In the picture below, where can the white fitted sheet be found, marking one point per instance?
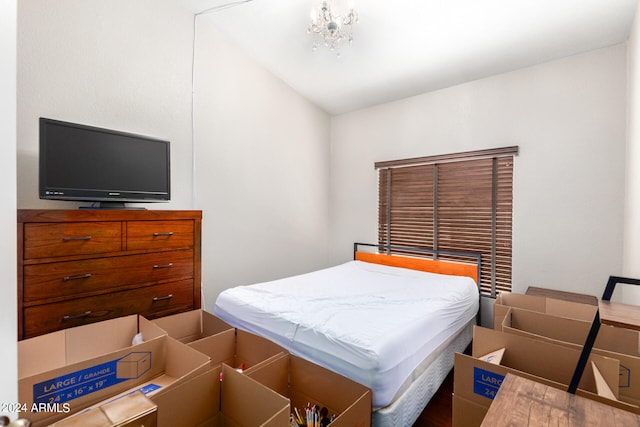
(372, 323)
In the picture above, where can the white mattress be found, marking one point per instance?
(372, 323)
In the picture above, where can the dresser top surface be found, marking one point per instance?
(64, 215)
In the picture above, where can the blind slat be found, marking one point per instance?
(456, 211)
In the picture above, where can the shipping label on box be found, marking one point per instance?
(93, 379)
(486, 383)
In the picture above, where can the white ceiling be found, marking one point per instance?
(406, 47)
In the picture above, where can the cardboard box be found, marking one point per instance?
(560, 308)
(133, 410)
(222, 343)
(617, 343)
(180, 381)
(467, 413)
(67, 371)
(304, 382)
(478, 381)
(192, 326)
(246, 402)
(214, 398)
(221, 397)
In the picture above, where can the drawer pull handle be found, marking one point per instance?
(81, 276)
(77, 316)
(73, 239)
(170, 265)
(168, 234)
(156, 299)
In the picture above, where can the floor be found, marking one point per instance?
(438, 412)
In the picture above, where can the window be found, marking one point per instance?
(458, 202)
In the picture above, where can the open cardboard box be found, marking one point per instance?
(221, 342)
(617, 343)
(304, 382)
(246, 402)
(218, 397)
(556, 307)
(182, 387)
(64, 372)
(477, 381)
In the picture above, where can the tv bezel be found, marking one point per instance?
(107, 198)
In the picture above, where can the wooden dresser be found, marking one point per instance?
(83, 266)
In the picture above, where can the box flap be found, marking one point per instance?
(192, 326)
(252, 349)
(220, 348)
(183, 361)
(73, 345)
(542, 359)
(200, 394)
(128, 407)
(467, 413)
(574, 331)
(326, 387)
(185, 327)
(246, 402)
(273, 374)
(571, 310)
(93, 340)
(32, 359)
(602, 388)
(494, 357)
(212, 325)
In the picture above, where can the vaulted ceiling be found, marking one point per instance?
(406, 47)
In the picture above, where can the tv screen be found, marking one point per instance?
(85, 163)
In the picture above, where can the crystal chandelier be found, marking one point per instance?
(330, 29)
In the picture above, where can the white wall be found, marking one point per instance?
(8, 293)
(632, 207)
(261, 150)
(567, 117)
(117, 64)
(262, 170)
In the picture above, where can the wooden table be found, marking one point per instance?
(522, 402)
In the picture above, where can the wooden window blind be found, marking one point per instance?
(460, 202)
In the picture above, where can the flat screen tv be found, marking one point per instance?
(85, 163)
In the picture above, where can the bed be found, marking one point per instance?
(390, 322)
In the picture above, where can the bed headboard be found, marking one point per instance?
(453, 268)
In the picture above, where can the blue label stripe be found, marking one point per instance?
(71, 386)
(486, 383)
(149, 388)
(80, 383)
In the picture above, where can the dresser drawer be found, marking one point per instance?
(143, 235)
(149, 301)
(42, 240)
(72, 278)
